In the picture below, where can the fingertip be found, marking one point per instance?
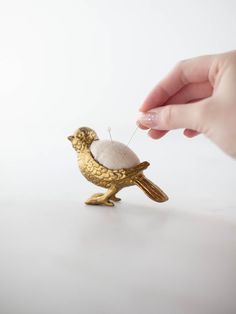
(145, 107)
(190, 133)
(140, 125)
(141, 108)
(156, 134)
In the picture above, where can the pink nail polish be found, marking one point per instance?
(148, 119)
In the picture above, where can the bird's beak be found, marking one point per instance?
(70, 138)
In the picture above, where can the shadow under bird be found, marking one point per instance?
(111, 165)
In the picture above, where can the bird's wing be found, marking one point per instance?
(122, 173)
(134, 170)
(96, 172)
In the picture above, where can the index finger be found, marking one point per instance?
(185, 72)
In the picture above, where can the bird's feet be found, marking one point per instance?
(99, 199)
(115, 199)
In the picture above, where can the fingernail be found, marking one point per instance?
(148, 119)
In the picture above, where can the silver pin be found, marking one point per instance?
(109, 131)
(132, 136)
(136, 129)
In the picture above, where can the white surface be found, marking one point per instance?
(113, 154)
(66, 64)
(64, 257)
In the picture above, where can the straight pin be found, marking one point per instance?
(134, 132)
(109, 131)
(132, 136)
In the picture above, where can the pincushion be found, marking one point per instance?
(111, 165)
(113, 154)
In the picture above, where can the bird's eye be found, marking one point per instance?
(79, 136)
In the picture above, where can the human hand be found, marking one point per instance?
(198, 95)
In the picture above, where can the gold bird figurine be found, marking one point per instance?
(111, 165)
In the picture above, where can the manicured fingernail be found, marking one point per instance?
(148, 119)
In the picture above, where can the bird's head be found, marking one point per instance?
(82, 138)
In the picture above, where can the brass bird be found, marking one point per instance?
(111, 179)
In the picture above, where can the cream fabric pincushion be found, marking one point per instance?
(113, 154)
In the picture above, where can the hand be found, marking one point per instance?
(198, 95)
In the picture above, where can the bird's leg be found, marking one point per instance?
(114, 198)
(103, 199)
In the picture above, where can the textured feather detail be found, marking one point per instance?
(93, 171)
(136, 169)
(150, 189)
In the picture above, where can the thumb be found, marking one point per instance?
(169, 117)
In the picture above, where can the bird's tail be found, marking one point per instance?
(150, 189)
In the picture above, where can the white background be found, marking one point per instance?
(66, 64)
